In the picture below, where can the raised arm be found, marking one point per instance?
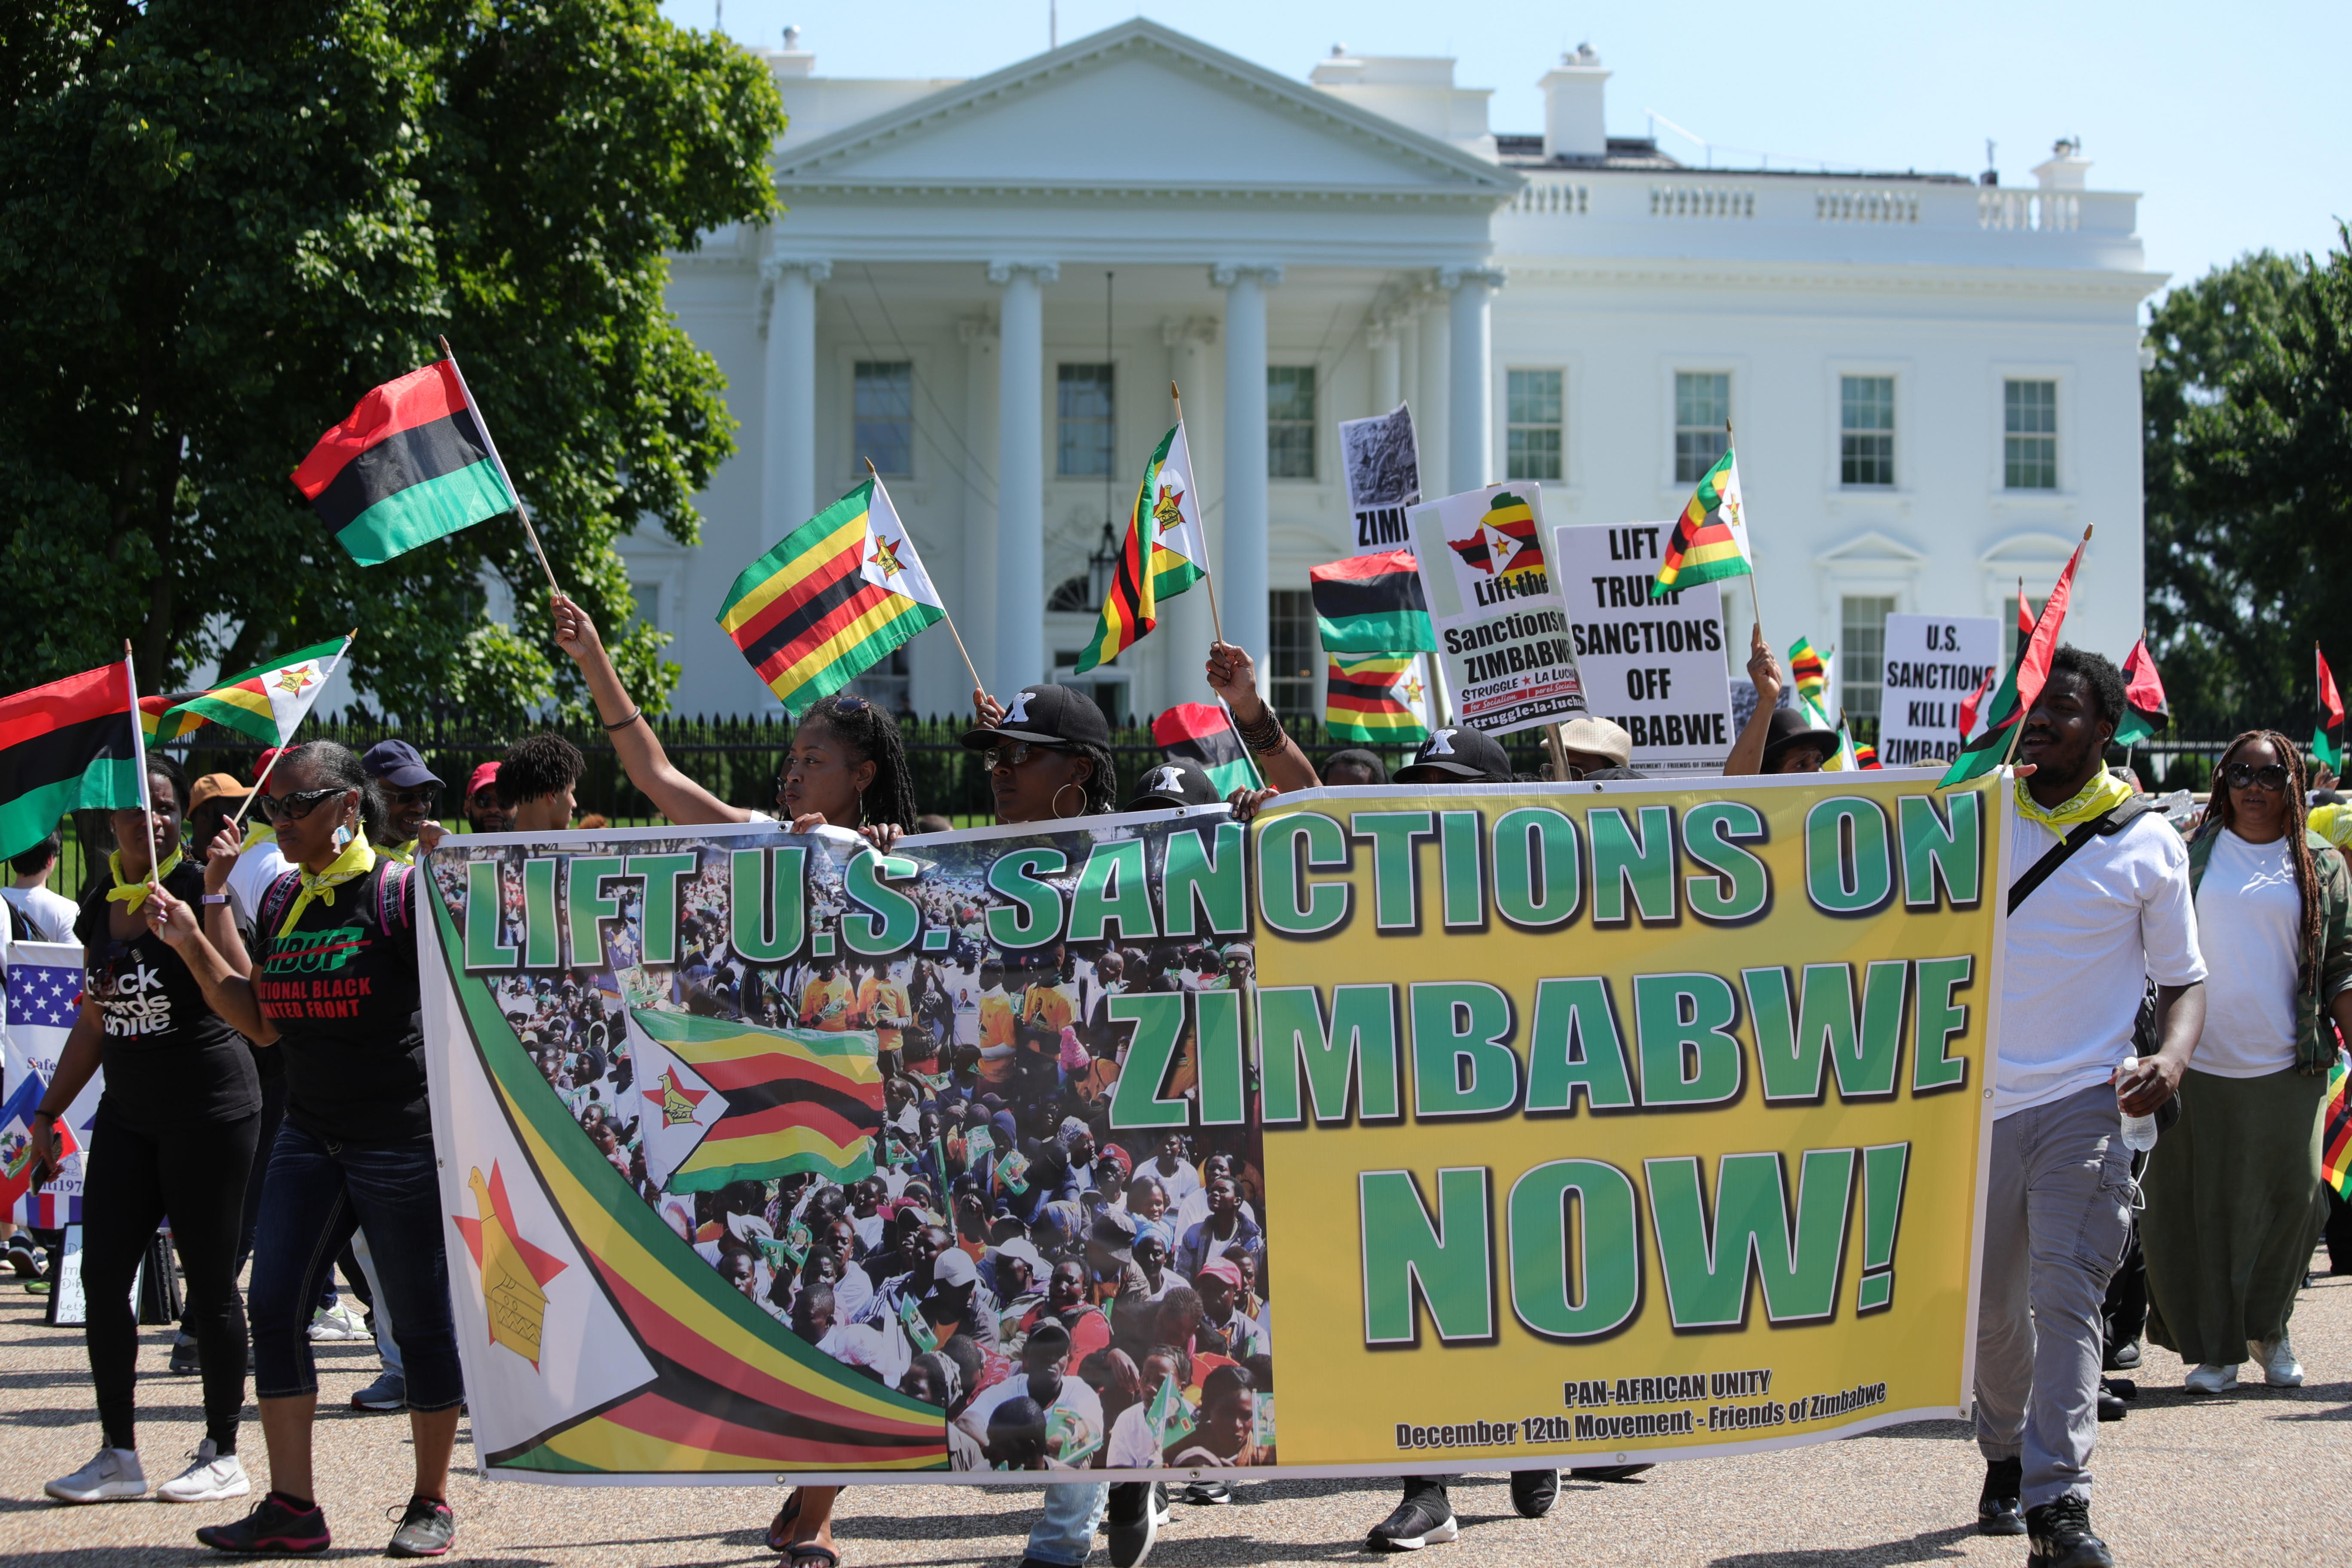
(1748, 751)
(1233, 675)
(677, 797)
(227, 992)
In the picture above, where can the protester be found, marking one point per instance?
(411, 794)
(2115, 908)
(1233, 676)
(2231, 1213)
(536, 780)
(485, 812)
(1354, 768)
(174, 1134)
(41, 915)
(356, 1149)
(1591, 746)
(1775, 740)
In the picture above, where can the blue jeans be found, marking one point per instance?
(1064, 1531)
(315, 1193)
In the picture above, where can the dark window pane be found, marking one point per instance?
(882, 416)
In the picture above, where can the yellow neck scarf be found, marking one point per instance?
(357, 860)
(135, 893)
(258, 832)
(2102, 795)
(403, 853)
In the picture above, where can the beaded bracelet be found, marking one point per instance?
(1264, 736)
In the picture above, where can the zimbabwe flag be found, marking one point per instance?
(410, 464)
(1372, 603)
(161, 725)
(1805, 667)
(72, 745)
(1164, 553)
(1505, 542)
(1201, 732)
(268, 701)
(840, 594)
(1710, 539)
(797, 1099)
(2335, 1130)
(1377, 700)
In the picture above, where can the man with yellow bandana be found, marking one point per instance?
(2116, 908)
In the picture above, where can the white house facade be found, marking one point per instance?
(987, 288)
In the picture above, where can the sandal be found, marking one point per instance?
(810, 1554)
(780, 1528)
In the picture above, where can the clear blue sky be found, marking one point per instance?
(2231, 122)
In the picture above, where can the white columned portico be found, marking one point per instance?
(788, 437)
(1470, 395)
(1021, 473)
(1383, 342)
(1243, 565)
(1432, 423)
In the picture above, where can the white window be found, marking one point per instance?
(1290, 422)
(1867, 430)
(1861, 652)
(1702, 422)
(647, 599)
(1536, 437)
(2029, 435)
(1085, 424)
(1290, 661)
(882, 416)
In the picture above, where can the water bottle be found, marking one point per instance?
(2139, 1131)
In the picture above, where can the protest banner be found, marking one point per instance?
(1502, 629)
(1933, 662)
(43, 1000)
(1383, 458)
(1655, 664)
(1660, 1134)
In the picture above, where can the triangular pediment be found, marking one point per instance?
(1869, 549)
(1139, 108)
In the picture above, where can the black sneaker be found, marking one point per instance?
(2123, 1357)
(2059, 1536)
(1422, 1518)
(1996, 1507)
(2111, 1403)
(185, 1360)
(1534, 1492)
(1132, 1522)
(275, 1528)
(428, 1530)
(1208, 1494)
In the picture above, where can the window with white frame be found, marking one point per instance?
(646, 598)
(1085, 425)
(1867, 430)
(2029, 421)
(1861, 652)
(1290, 651)
(1290, 422)
(882, 416)
(1702, 422)
(1534, 413)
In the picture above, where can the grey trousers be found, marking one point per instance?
(2057, 1213)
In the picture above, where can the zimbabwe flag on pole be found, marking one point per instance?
(1377, 700)
(1372, 603)
(789, 1100)
(1710, 538)
(72, 745)
(841, 592)
(268, 701)
(1165, 552)
(410, 464)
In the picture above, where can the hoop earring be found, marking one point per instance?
(1058, 816)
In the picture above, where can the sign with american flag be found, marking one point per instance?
(44, 998)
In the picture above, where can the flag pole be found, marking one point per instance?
(139, 752)
(483, 425)
(969, 669)
(272, 766)
(1216, 622)
(1755, 582)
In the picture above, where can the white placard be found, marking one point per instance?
(1382, 458)
(1656, 665)
(1502, 629)
(1933, 662)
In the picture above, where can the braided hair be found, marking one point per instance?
(1102, 782)
(2222, 812)
(867, 729)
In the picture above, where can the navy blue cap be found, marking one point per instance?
(398, 764)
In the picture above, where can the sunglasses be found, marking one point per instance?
(2269, 776)
(851, 703)
(426, 795)
(1013, 754)
(295, 808)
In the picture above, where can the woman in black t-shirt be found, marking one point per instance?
(335, 988)
(175, 1131)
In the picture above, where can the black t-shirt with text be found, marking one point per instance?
(341, 988)
(169, 1059)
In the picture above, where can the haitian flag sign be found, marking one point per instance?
(43, 1000)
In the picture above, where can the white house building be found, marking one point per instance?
(987, 287)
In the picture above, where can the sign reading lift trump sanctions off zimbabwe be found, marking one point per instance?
(1661, 1133)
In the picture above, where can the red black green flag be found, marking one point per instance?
(72, 745)
(411, 464)
(1199, 732)
(1372, 603)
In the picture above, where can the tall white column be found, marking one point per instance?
(788, 433)
(973, 593)
(1021, 473)
(1406, 330)
(1384, 368)
(1243, 566)
(1184, 627)
(1470, 425)
(1431, 422)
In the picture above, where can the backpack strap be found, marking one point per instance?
(274, 899)
(393, 890)
(2104, 825)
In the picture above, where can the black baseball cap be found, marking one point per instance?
(398, 764)
(1055, 715)
(1462, 755)
(1174, 781)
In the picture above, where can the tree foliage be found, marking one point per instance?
(2249, 484)
(221, 221)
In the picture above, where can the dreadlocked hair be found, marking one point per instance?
(2222, 812)
(867, 729)
(1102, 779)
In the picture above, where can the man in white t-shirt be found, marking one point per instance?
(2057, 1207)
(41, 915)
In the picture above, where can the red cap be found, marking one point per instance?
(261, 763)
(488, 773)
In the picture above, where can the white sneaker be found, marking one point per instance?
(213, 1477)
(2212, 1378)
(113, 1476)
(2280, 1369)
(337, 1323)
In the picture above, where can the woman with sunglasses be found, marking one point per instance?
(2233, 1188)
(337, 991)
(846, 767)
(175, 1133)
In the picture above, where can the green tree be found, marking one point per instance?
(221, 221)
(2248, 487)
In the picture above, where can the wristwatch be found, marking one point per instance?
(213, 898)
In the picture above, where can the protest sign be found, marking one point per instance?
(1703, 1177)
(1502, 629)
(1383, 458)
(1653, 665)
(1933, 662)
(43, 1000)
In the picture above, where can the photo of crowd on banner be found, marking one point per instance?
(907, 1161)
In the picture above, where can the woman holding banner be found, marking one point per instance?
(2233, 1188)
(175, 1133)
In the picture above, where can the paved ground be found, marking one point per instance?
(2255, 1477)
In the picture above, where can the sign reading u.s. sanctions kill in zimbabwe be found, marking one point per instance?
(1501, 627)
(1566, 1124)
(1933, 663)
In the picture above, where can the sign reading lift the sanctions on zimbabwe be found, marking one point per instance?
(1661, 1135)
